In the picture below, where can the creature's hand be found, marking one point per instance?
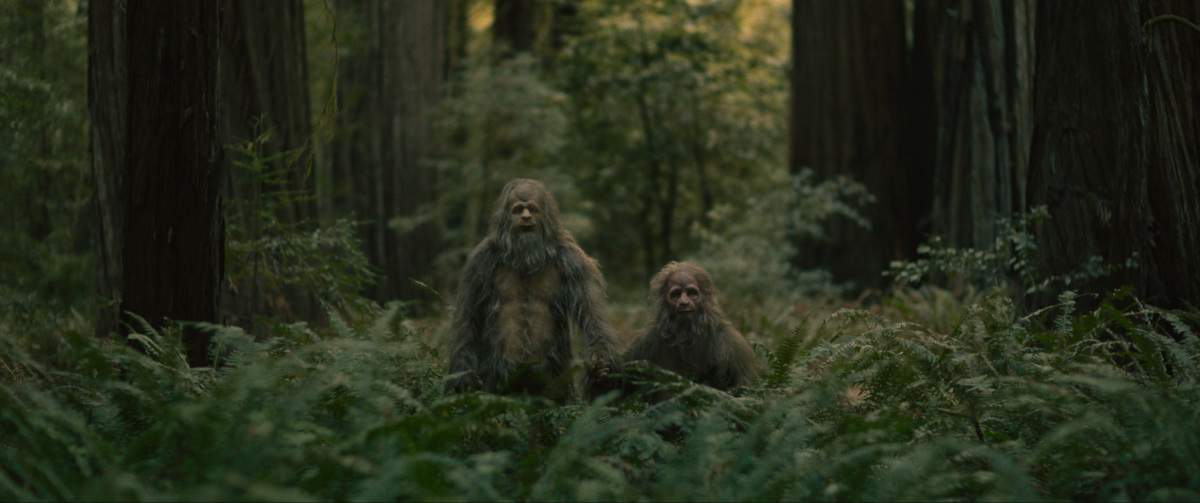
(598, 368)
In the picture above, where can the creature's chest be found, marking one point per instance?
(541, 286)
(686, 357)
(525, 322)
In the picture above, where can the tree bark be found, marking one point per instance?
(107, 99)
(399, 76)
(158, 176)
(458, 36)
(1070, 104)
(983, 53)
(1115, 148)
(848, 119)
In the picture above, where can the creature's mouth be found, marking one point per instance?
(525, 227)
(689, 310)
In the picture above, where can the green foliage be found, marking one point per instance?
(1011, 258)
(1087, 405)
(1058, 404)
(503, 122)
(44, 195)
(657, 126)
(674, 110)
(268, 253)
(326, 261)
(749, 245)
(967, 399)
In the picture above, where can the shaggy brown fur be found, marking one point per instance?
(690, 336)
(519, 290)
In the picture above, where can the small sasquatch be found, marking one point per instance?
(688, 333)
(519, 290)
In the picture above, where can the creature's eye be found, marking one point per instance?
(692, 292)
(517, 210)
(674, 294)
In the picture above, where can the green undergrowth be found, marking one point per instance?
(1058, 404)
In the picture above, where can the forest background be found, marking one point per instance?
(958, 234)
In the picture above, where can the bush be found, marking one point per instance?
(1057, 404)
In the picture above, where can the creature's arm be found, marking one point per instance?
(469, 351)
(584, 296)
(583, 300)
(739, 370)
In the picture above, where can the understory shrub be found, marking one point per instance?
(1055, 404)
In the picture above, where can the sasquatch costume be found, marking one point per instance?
(688, 333)
(519, 290)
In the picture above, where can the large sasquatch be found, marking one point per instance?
(520, 288)
(688, 333)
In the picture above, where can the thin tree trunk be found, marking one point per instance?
(107, 98)
(264, 74)
(458, 36)
(514, 24)
(655, 198)
(264, 78)
(695, 138)
(422, 74)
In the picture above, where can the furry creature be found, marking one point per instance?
(688, 333)
(519, 290)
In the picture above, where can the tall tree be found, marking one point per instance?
(1075, 106)
(1115, 151)
(1089, 109)
(535, 26)
(264, 87)
(390, 89)
(157, 161)
(107, 105)
(514, 23)
(848, 118)
(264, 75)
(982, 53)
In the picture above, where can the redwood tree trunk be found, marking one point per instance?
(848, 107)
(1071, 104)
(107, 99)
(158, 175)
(982, 53)
(392, 87)
(1115, 148)
(514, 23)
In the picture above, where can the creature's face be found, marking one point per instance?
(683, 294)
(524, 212)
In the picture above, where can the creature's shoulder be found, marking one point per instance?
(572, 260)
(734, 338)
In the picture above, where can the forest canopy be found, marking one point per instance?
(956, 236)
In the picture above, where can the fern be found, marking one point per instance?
(1058, 404)
(781, 360)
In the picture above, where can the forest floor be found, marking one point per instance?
(920, 394)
